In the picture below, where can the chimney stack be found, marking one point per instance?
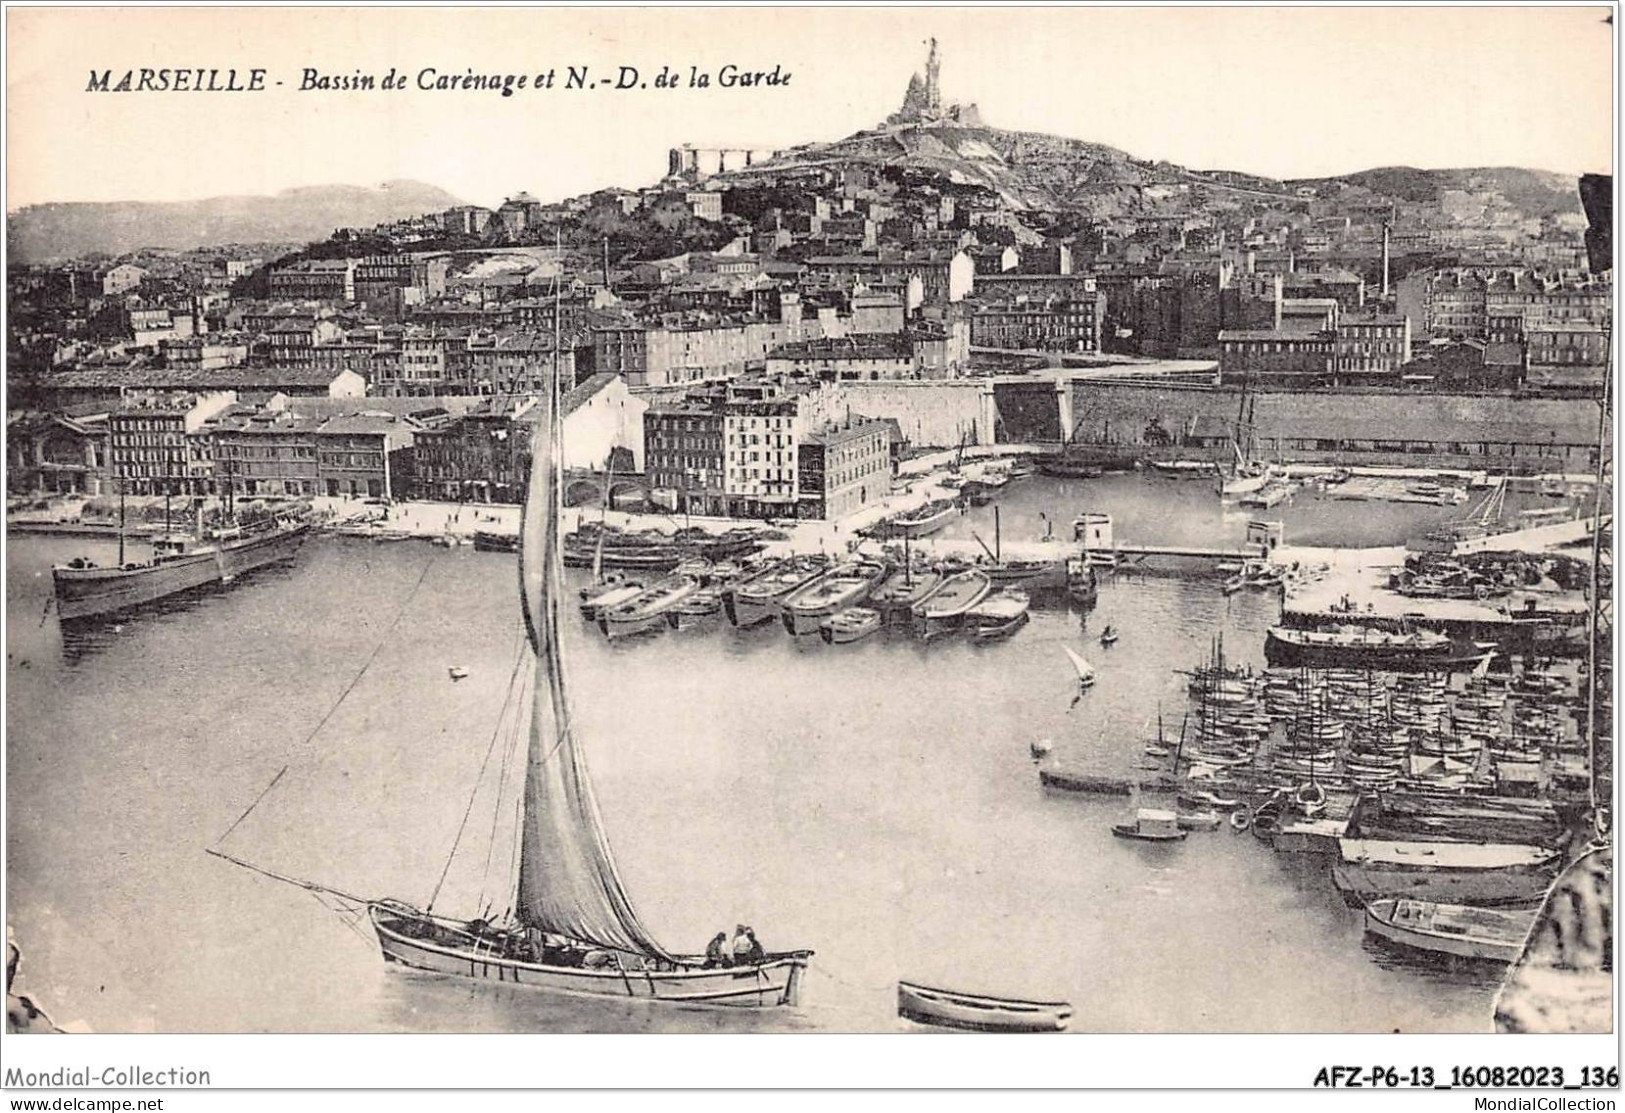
(1385, 234)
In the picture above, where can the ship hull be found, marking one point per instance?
(1502, 946)
(239, 557)
(1033, 577)
(1363, 883)
(924, 527)
(772, 983)
(1290, 654)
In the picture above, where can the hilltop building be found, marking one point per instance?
(922, 100)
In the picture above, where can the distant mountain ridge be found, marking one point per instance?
(59, 231)
(1033, 171)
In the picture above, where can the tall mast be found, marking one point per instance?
(169, 483)
(121, 523)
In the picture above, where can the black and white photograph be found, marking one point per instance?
(828, 520)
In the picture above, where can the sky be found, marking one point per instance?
(1285, 92)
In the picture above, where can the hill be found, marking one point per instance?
(1037, 172)
(47, 233)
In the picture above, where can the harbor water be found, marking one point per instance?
(874, 802)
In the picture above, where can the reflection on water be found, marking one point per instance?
(875, 802)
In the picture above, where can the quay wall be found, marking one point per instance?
(1151, 419)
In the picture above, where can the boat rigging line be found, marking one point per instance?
(485, 763)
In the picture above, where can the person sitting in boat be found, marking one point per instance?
(717, 953)
(755, 954)
(743, 940)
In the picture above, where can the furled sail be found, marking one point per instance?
(568, 884)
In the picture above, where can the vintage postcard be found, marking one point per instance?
(826, 520)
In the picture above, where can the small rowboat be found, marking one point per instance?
(457, 672)
(947, 1008)
(850, 625)
(1108, 635)
(1151, 825)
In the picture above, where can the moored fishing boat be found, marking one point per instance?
(945, 608)
(1185, 469)
(977, 1012)
(897, 593)
(572, 925)
(647, 609)
(846, 585)
(1032, 575)
(1082, 584)
(998, 615)
(924, 520)
(1151, 825)
(496, 541)
(601, 598)
(1487, 934)
(703, 604)
(849, 625)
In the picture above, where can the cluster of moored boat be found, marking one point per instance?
(842, 600)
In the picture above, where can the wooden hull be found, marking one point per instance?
(753, 603)
(774, 982)
(1033, 575)
(986, 630)
(896, 598)
(89, 592)
(924, 527)
(1129, 831)
(804, 612)
(945, 1008)
(85, 593)
(845, 633)
(945, 610)
(488, 542)
(238, 557)
(1288, 653)
(1504, 945)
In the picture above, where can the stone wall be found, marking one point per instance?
(939, 414)
(1534, 434)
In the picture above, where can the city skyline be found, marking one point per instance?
(1377, 66)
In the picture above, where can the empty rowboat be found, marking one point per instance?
(946, 1008)
(1488, 934)
(852, 624)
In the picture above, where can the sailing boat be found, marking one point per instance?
(605, 594)
(1247, 475)
(573, 928)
